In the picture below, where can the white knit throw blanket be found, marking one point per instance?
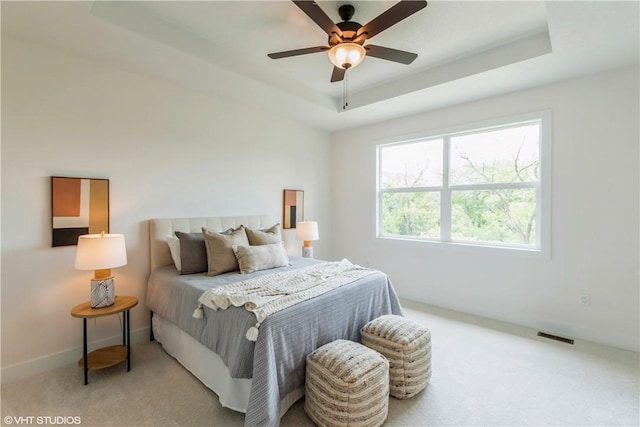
(268, 294)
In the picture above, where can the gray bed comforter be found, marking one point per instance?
(276, 361)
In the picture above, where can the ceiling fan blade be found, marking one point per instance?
(296, 52)
(338, 74)
(391, 16)
(389, 54)
(318, 16)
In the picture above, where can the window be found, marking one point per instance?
(480, 185)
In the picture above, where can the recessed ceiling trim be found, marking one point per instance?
(142, 20)
(531, 46)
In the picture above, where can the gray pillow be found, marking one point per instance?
(193, 254)
(264, 237)
(220, 256)
(263, 257)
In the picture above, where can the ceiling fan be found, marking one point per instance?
(346, 39)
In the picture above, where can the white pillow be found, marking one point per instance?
(263, 257)
(174, 248)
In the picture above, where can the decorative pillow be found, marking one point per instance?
(174, 248)
(262, 257)
(220, 256)
(192, 252)
(193, 255)
(264, 237)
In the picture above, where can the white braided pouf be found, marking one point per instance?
(347, 384)
(407, 346)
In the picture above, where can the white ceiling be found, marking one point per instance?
(466, 50)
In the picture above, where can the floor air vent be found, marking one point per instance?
(555, 338)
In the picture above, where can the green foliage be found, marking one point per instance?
(505, 215)
(414, 214)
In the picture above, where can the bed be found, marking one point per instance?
(263, 378)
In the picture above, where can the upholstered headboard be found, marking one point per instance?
(160, 229)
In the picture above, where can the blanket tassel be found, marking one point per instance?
(198, 313)
(252, 333)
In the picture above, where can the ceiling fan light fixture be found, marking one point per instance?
(346, 55)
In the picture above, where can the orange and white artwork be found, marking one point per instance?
(293, 210)
(78, 206)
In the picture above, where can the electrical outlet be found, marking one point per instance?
(585, 299)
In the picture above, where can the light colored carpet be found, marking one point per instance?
(484, 373)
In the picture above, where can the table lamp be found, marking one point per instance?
(307, 231)
(101, 252)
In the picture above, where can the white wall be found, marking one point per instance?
(595, 198)
(167, 152)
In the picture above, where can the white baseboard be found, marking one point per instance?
(527, 326)
(47, 363)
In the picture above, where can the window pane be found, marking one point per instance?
(500, 156)
(414, 214)
(505, 216)
(411, 165)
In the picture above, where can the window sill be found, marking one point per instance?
(466, 247)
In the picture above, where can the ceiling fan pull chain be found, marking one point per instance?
(345, 100)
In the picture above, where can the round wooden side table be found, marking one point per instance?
(106, 356)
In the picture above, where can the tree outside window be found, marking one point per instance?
(478, 186)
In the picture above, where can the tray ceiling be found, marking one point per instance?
(466, 50)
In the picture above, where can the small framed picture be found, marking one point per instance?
(78, 206)
(293, 210)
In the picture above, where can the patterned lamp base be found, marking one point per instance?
(102, 292)
(307, 251)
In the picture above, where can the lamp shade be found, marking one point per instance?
(307, 230)
(346, 55)
(100, 251)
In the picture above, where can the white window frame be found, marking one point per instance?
(543, 186)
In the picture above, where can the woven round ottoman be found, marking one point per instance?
(347, 384)
(407, 346)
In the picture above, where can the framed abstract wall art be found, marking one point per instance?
(293, 210)
(78, 206)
